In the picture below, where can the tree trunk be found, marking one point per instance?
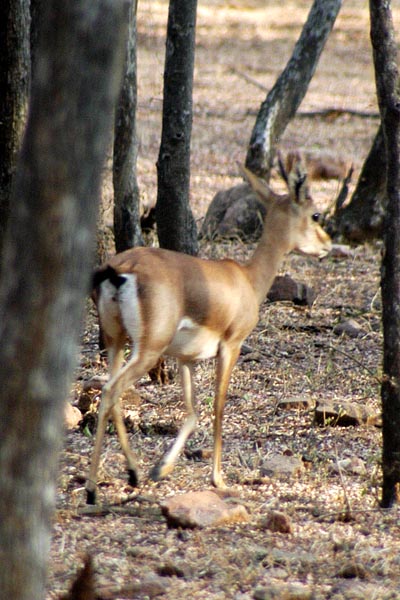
(14, 92)
(387, 80)
(363, 218)
(47, 255)
(127, 231)
(175, 223)
(36, 20)
(289, 90)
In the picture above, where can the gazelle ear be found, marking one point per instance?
(259, 186)
(297, 182)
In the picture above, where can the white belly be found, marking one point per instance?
(193, 342)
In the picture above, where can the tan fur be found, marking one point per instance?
(193, 308)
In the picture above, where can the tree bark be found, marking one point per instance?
(14, 92)
(127, 231)
(285, 97)
(387, 84)
(362, 219)
(45, 271)
(175, 223)
(35, 30)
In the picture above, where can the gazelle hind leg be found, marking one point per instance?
(110, 406)
(166, 464)
(115, 358)
(133, 469)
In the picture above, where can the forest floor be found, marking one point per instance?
(241, 47)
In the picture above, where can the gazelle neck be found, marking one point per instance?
(267, 259)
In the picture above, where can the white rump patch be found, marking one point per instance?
(128, 300)
(121, 306)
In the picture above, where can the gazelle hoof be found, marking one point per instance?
(160, 471)
(90, 497)
(133, 478)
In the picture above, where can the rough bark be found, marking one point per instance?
(127, 231)
(387, 79)
(14, 92)
(362, 219)
(36, 19)
(283, 100)
(175, 223)
(45, 271)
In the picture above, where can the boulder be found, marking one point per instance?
(286, 288)
(343, 413)
(201, 509)
(281, 466)
(233, 213)
(277, 522)
(72, 416)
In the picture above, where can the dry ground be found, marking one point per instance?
(297, 352)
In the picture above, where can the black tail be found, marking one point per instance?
(107, 273)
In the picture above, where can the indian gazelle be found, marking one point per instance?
(192, 309)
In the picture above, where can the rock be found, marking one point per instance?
(276, 521)
(151, 586)
(360, 590)
(344, 414)
(171, 569)
(201, 509)
(72, 416)
(291, 591)
(284, 288)
(341, 251)
(350, 465)
(352, 570)
(297, 402)
(349, 327)
(280, 465)
(233, 213)
(288, 558)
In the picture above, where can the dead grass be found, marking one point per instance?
(296, 351)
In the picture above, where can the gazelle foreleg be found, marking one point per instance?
(226, 360)
(165, 466)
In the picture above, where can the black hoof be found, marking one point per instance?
(155, 473)
(90, 497)
(133, 478)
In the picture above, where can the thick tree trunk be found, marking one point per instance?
(175, 223)
(14, 92)
(36, 20)
(289, 90)
(45, 274)
(127, 231)
(387, 81)
(363, 218)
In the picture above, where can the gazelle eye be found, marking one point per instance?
(316, 217)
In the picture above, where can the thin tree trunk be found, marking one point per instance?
(387, 80)
(14, 92)
(45, 275)
(363, 217)
(175, 223)
(127, 231)
(283, 100)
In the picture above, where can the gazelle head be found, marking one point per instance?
(292, 215)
